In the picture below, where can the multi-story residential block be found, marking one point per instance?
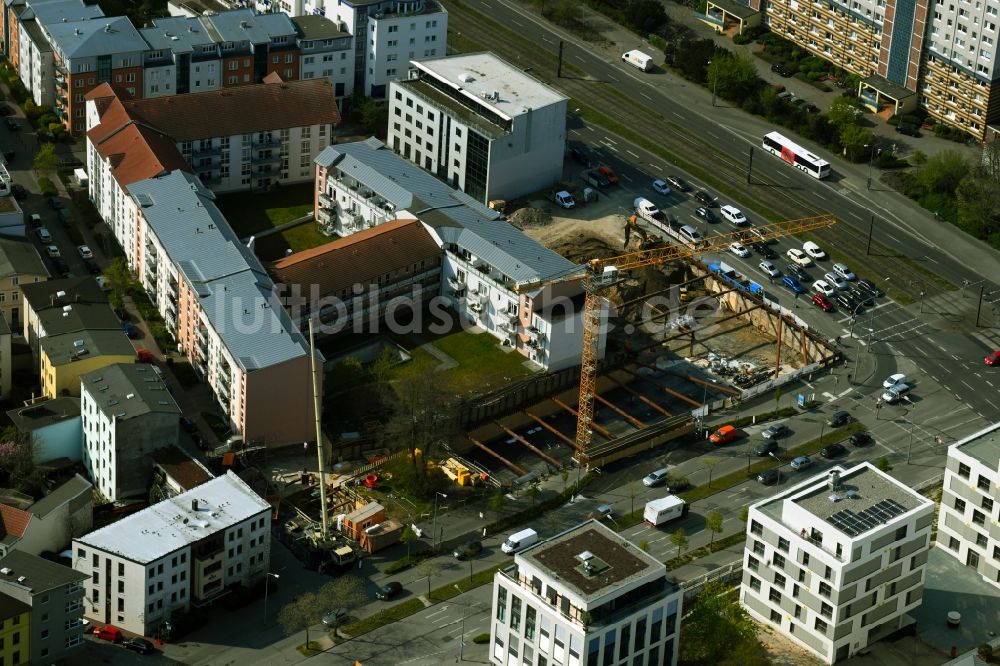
(326, 51)
(232, 138)
(51, 522)
(492, 274)
(176, 471)
(183, 551)
(6, 360)
(55, 594)
(15, 630)
(837, 561)
(970, 503)
(127, 414)
(20, 264)
(586, 596)
(64, 357)
(54, 425)
(68, 305)
(350, 284)
(480, 124)
(217, 301)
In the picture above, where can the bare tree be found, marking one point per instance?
(422, 418)
(345, 592)
(17, 462)
(301, 613)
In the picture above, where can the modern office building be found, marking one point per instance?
(127, 413)
(186, 550)
(492, 275)
(585, 596)
(970, 503)
(479, 123)
(837, 561)
(55, 594)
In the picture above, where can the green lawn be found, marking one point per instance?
(298, 238)
(250, 212)
(482, 364)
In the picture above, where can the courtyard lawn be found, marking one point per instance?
(252, 212)
(482, 364)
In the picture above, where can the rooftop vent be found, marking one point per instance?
(833, 480)
(78, 343)
(60, 293)
(6, 571)
(130, 396)
(194, 505)
(465, 77)
(21, 579)
(585, 556)
(835, 498)
(852, 495)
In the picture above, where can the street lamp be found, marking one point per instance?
(434, 522)
(461, 642)
(715, 85)
(871, 158)
(267, 578)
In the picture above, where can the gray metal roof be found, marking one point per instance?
(233, 288)
(85, 39)
(179, 34)
(40, 575)
(18, 257)
(243, 25)
(455, 216)
(128, 390)
(69, 347)
(71, 489)
(63, 11)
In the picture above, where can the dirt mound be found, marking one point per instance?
(524, 218)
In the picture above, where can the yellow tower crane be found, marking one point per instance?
(599, 275)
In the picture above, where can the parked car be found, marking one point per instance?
(835, 280)
(43, 235)
(894, 380)
(679, 183)
(676, 484)
(765, 447)
(846, 300)
(61, 267)
(823, 287)
(870, 287)
(56, 203)
(706, 214)
(908, 129)
(19, 192)
(52, 251)
(131, 331)
(838, 419)
(661, 186)
(764, 250)
(108, 633)
(69, 160)
(832, 451)
(860, 438)
(862, 296)
(388, 591)
(85, 252)
(993, 359)
(769, 269)
(705, 198)
(814, 251)
(801, 462)
(843, 271)
(91, 267)
(775, 431)
(334, 617)
(821, 301)
(769, 477)
(780, 70)
(12, 124)
(656, 478)
(468, 550)
(140, 645)
(799, 257)
(726, 433)
(798, 272)
(793, 285)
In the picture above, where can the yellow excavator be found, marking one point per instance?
(646, 241)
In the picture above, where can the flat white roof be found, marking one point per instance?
(161, 529)
(493, 82)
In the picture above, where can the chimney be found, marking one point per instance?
(194, 505)
(833, 480)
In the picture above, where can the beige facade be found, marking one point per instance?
(827, 31)
(956, 97)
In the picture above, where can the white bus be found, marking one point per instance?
(796, 155)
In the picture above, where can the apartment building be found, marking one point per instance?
(492, 275)
(967, 521)
(46, 312)
(50, 523)
(479, 123)
(55, 594)
(350, 284)
(54, 425)
(64, 357)
(585, 596)
(127, 413)
(186, 550)
(15, 630)
(326, 51)
(837, 561)
(234, 139)
(176, 471)
(218, 302)
(20, 264)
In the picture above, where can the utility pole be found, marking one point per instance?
(871, 228)
(562, 44)
(979, 306)
(750, 165)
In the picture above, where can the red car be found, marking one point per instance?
(993, 359)
(822, 303)
(109, 633)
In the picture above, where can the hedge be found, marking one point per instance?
(47, 187)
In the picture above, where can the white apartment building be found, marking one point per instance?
(585, 596)
(183, 551)
(968, 519)
(493, 275)
(126, 413)
(326, 51)
(837, 561)
(480, 124)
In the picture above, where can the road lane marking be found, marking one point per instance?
(678, 115)
(817, 194)
(632, 154)
(646, 96)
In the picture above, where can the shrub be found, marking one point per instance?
(47, 187)
(481, 639)
(742, 39)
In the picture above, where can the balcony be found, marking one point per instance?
(201, 335)
(201, 345)
(206, 151)
(60, 68)
(266, 141)
(267, 157)
(456, 282)
(324, 216)
(222, 389)
(223, 377)
(172, 287)
(326, 201)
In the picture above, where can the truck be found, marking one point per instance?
(733, 277)
(563, 199)
(639, 60)
(663, 510)
(594, 178)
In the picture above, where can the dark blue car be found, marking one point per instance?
(793, 285)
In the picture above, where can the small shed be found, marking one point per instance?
(356, 522)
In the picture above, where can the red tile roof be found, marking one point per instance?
(239, 110)
(137, 152)
(15, 521)
(392, 248)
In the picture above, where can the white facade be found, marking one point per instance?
(35, 65)
(968, 518)
(500, 135)
(836, 562)
(187, 549)
(546, 611)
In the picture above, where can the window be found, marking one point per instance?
(959, 505)
(825, 589)
(501, 604)
(774, 595)
(779, 561)
(981, 540)
(805, 559)
(826, 610)
(978, 517)
(754, 584)
(779, 580)
(758, 547)
(515, 613)
(753, 563)
(987, 504)
(783, 544)
(963, 470)
(983, 483)
(953, 543)
(820, 625)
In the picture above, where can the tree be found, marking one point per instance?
(942, 172)
(427, 569)
(533, 492)
(716, 627)
(844, 112)
(734, 76)
(645, 16)
(777, 397)
(118, 275)
(408, 536)
(679, 539)
(344, 592)
(46, 160)
(710, 462)
(301, 613)
(857, 142)
(691, 56)
(713, 523)
(978, 205)
(17, 463)
(744, 513)
(644, 546)
(374, 117)
(497, 502)
(632, 492)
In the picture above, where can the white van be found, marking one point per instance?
(519, 541)
(639, 60)
(734, 215)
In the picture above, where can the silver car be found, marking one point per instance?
(895, 393)
(656, 478)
